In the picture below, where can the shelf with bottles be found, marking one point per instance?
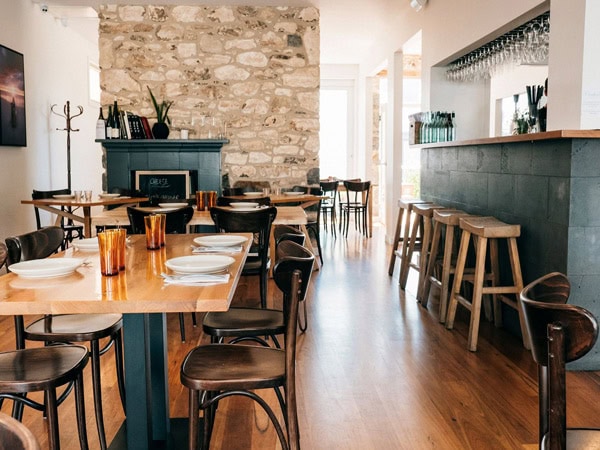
(121, 124)
(432, 126)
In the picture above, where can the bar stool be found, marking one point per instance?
(422, 225)
(484, 229)
(404, 211)
(448, 220)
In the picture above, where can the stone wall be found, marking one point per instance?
(253, 69)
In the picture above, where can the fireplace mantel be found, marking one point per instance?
(122, 157)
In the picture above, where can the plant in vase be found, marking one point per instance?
(160, 130)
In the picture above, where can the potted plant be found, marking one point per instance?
(160, 130)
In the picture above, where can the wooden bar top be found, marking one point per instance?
(528, 137)
(138, 289)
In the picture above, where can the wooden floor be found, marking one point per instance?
(375, 371)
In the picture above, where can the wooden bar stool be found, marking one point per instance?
(404, 211)
(422, 225)
(484, 229)
(447, 219)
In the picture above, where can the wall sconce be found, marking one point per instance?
(417, 5)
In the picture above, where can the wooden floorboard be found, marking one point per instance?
(375, 371)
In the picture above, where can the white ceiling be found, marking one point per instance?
(349, 28)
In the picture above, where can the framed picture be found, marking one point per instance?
(12, 98)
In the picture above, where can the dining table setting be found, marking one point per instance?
(189, 273)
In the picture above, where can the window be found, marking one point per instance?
(94, 82)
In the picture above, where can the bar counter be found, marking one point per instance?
(549, 183)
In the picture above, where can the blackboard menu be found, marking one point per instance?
(166, 184)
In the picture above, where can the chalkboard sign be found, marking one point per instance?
(165, 184)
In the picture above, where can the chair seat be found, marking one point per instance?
(253, 265)
(217, 367)
(244, 321)
(579, 439)
(74, 327)
(35, 369)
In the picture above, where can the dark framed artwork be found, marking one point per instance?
(12, 98)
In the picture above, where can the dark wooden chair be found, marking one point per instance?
(357, 204)
(226, 201)
(177, 221)
(313, 215)
(45, 369)
(287, 233)
(328, 206)
(71, 231)
(252, 324)
(69, 328)
(259, 222)
(15, 436)
(560, 333)
(231, 192)
(216, 371)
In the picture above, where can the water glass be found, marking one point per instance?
(153, 224)
(78, 195)
(108, 244)
(88, 196)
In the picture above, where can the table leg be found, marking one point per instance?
(146, 381)
(87, 222)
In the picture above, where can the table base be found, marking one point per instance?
(177, 440)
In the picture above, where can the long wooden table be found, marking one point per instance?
(140, 294)
(63, 208)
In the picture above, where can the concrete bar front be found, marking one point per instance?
(549, 183)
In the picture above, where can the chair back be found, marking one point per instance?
(559, 333)
(290, 278)
(229, 192)
(330, 189)
(34, 245)
(287, 233)
(40, 195)
(177, 219)
(226, 201)
(357, 192)
(251, 186)
(15, 436)
(258, 221)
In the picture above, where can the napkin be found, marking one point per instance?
(196, 279)
(217, 249)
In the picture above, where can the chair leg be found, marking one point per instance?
(181, 327)
(98, 393)
(193, 420)
(263, 289)
(51, 411)
(117, 339)
(80, 409)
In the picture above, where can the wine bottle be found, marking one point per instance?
(109, 123)
(101, 126)
(116, 128)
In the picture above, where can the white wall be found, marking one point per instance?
(56, 62)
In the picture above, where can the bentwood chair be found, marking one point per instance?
(257, 221)
(69, 328)
(560, 333)
(15, 436)
(286, 233)
(328, 205)
(177, 221)
(226, 201)
(357, 204)
(252, 324)
(71, 231)
(216, 371)
(313, 215)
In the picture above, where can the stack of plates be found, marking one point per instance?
(172, 205)
(293, 193)
(253, 194)
(199, 263)
(46, 268)
(107, 195)
(244, 205)
(220, 240)
(86, 245)
(63, 196)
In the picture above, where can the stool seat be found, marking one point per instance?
(404, 205)
(490, 227)
(426, 209)
(449, 216)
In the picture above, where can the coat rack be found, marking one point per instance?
(68, 129)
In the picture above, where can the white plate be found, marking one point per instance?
(244, 205)
(86, 245)
(63, 196)
(223, 240)
(107, 195)
(293, 193)
(172, 205)
(46, 268)
(253, 194)
(199, 263)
